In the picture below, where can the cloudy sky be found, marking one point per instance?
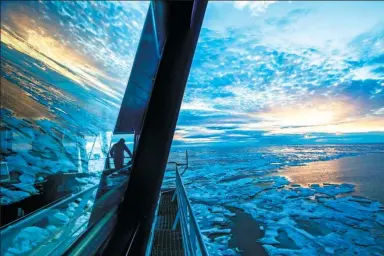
(287, 72)
(263, 72)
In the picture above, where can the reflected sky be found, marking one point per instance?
(64, 68)
(287, 72)
(91, 43)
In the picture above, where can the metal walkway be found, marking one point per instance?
(175, 230)
(167, 242)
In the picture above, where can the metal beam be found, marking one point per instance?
(139, 204)
(144, 69)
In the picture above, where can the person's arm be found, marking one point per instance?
(127, 150)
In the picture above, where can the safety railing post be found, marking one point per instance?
(192, 236)
(177, 219)
(176, 181)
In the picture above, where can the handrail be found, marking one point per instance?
(98, 231)
(34, 212)
(189, 227)
(35, 216)
(186, 164)
(178, 164)
(152, 234)
(11, 230)
(108, 159)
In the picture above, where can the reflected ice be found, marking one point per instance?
(61, 99)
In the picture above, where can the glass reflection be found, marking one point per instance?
(63, 77)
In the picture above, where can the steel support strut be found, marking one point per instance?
(184, 20)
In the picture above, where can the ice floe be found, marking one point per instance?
(318, 219)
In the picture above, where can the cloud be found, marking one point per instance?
(367, 72)
(256, 7)
(379, 111)
(310, 113)
(197, 105)
(279, 77)
(95, 50)
(363, 125)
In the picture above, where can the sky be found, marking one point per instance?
(286, 72)
(263, 72)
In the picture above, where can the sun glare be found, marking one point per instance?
(300, 117)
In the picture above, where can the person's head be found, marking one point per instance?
(121, 141)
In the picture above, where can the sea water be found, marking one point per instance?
(319, 214)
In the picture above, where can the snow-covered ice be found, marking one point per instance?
(318, 219)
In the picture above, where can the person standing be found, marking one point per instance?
(117, 153)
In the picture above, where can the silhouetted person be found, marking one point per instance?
(117, 152)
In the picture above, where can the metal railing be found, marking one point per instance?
(66, 233)
(169, 181)
(39, 218)
(152, 234)
(102, 223)
(193, 242)
(111, 165)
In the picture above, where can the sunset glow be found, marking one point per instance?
(261, 72)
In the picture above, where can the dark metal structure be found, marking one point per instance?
(150, 107)
(144, 70)
(116, 216)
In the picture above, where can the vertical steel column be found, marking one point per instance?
(139, 204)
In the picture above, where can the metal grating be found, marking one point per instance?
(167, 242)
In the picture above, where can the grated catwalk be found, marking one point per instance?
(167, 242)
